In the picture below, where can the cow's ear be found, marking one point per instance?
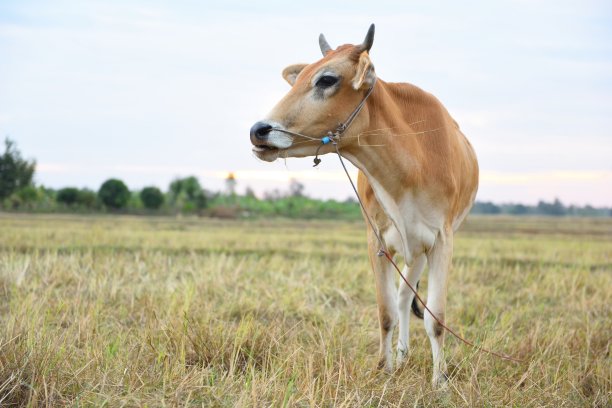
(292, 71)
(365, 76)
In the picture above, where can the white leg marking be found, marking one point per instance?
(386, 297)
(405, 296)
(439, 259)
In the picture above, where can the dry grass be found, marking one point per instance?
(109, 311)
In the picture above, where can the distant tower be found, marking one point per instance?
(230, 184)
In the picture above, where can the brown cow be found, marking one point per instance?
(418, 174)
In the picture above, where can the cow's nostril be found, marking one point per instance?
(260, 130)
(263, 131)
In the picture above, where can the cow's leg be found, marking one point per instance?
(413, 274)
(439, 259)
(386, 297)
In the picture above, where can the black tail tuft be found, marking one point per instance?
(418, 312)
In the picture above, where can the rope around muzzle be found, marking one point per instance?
(334, 139)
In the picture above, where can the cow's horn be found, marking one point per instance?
(325, 48)
(369, 39)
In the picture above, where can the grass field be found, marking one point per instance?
(125, 311)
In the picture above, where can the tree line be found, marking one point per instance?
(186, 195)
(555, 208)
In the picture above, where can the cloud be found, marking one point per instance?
(173, 88)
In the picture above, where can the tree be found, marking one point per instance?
(72, 197)
(114, 194)
(486, 207)
(68, 196)
(15, 172)
(518, 209)
(87, 198)
(25, 197)
(152, 198)
(186, 187)
(555, 208)
(296, 189)
(249, 192)
(187, 194)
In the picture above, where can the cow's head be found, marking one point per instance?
(322, 96)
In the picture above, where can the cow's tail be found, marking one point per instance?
(416, 307)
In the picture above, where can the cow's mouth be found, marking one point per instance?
(266, 152)
(264, 148)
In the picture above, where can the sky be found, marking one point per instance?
(148, 91)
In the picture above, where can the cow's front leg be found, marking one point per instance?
(386, 297)
(439, 259)
(412, 274)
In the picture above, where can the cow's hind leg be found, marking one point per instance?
(386, 297)
(439, 259)
(405, 299)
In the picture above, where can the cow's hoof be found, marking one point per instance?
(440, 382)
(402, 358)
(385, 365)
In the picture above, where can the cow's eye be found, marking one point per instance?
(326, 81)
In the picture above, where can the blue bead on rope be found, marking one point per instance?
(326, 140)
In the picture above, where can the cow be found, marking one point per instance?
(418, 176)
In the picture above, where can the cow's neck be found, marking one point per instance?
(383, 165)
(384, 179)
